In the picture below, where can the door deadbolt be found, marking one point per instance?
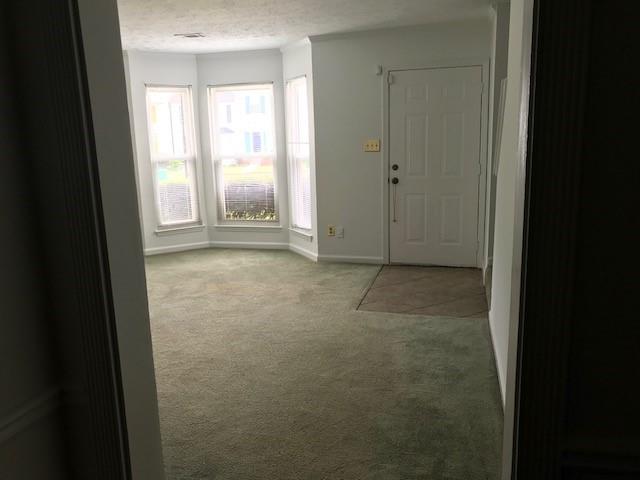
(394, 166)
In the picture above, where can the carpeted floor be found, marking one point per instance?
(266, 370)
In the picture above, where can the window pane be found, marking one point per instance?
(244, 151)
(249, 192)
(298, 121)
(171, 154)
(298, 152)
(241, 116)
(301, 187)
(174, 191)
(167, 129)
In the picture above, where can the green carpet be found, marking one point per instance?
(265, 370)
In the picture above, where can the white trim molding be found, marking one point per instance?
(256, 245)
(303, 252)
(485, 268)
(267, 246)
(304, 234)
(248, 228)
(161, 232)
(499, 366)
(176, 248)
(351, 259)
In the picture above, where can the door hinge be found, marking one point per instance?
(389, 78)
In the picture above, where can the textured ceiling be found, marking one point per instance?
(254, 24)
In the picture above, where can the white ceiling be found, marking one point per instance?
(255, 24)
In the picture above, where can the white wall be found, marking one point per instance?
(499, 57)
(107, 93)
(260, 66)
(296, 62)
(506, 264)
(510, 196)
(161, 69)
(348, 98)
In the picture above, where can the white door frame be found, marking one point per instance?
(386, 154)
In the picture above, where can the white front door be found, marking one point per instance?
(434, 146)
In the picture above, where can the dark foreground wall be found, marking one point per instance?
(578, 415)
(31, 440)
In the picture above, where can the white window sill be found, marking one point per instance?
(249, 228)
(306, 234)
(178, 229)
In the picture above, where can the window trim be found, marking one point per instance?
(190, 160)
(302, 231)
(217, 176)
(183, 228)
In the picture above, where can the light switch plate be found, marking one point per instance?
(372, 145)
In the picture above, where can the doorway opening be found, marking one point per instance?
(265, 365)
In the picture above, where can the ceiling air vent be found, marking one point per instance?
(189, 35)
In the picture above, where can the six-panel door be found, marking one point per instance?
(435, 142)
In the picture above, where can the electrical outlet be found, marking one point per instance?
(340, 232)
(372, 145)
(331, 231)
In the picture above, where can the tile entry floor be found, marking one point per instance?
(438, 291)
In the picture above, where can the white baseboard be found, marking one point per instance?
(266, 246)
(304, 252)
(219, 244)
(350, 259)
(499, 366)
(488, 264)
(256, 245)
(176, 248)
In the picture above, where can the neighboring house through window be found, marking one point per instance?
(244, 155)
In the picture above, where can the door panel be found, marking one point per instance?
(451, 219)
(417, 138)
(416, 211)
(435, 141)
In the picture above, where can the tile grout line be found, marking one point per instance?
(412, 308)
(444, 303)
(369, 287)
(400, 283)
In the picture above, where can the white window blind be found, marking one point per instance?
(172, 154)
(298, 156)
(244, 151)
